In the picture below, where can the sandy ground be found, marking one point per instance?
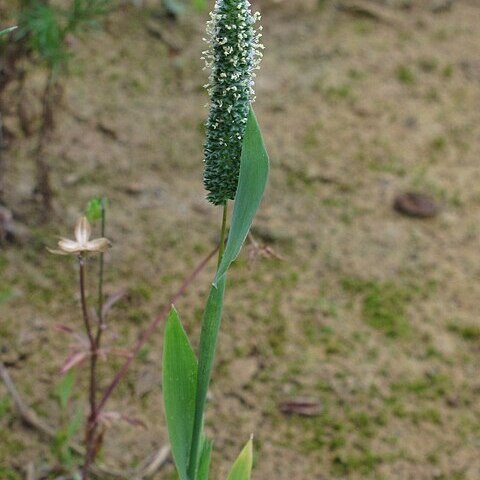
(372, 315)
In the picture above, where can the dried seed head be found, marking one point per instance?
(82, 243)
(233, 55)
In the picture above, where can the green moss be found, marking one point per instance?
(137, 315)
(470, 332)
(5, 406)
(363, 463)
(438, 144)
(429, 386)
(428, 415)
(338, 92)
(9, 474)
(388, 165)
(405, 75)
(447, 71)
(310, 139)
(363, 27)
(141, 292)
(384, 304)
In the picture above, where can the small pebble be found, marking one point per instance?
(416, 205)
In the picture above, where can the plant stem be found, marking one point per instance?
(200, 401)
(83, 299)
(101, 262)
(101, 322)
(91, 427)
(146, 335)
(92, 424)
(223, 234)
(43, 180)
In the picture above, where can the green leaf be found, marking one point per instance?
(7, 30)
(179, 388)
(95, 208)
(242, 468)
(6, 295)
(208, 343)
(204, 463)
(65, 388)
(251, 185)
(74, 424)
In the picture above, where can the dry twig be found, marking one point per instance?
(146, 469)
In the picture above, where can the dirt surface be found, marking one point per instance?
(372, 315)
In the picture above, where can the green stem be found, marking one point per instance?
(208, 342)
(223, 234)
(101, 261)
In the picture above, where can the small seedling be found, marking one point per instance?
(69, 427)
(43, 37)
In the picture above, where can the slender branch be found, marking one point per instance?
(144, 337)
(146, 468)
(92, 423)
(100, 275)
(43, 180)
(28, 415)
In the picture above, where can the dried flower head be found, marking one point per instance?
(82, 243)
(233, 55)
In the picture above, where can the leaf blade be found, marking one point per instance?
(254, 167)
(204, 462)
(64, 389)
(179, 390)
(208, 342)
(242, 468)
(7, 30)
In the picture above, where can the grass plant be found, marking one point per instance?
(236, 168)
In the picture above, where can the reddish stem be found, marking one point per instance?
(148, 332)
(91, 426)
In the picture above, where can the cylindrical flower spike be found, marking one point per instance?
(233, 55)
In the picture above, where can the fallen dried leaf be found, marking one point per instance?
(305, 407)
(72, 360)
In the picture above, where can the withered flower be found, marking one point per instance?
(82, 243)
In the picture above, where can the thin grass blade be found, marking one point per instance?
(7, 30)
(242, 468)
(204, 463)
(179, 390)
(208, 344)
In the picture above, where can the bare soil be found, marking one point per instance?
(371, 314)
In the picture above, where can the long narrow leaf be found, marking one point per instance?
(208, 344)
(242, 468)
(254, 168)
(204, 463)
(7, 30)
(179, 389)
(251, 185)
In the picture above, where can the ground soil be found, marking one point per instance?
(370, 314)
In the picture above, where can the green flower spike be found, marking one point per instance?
(233, 55)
